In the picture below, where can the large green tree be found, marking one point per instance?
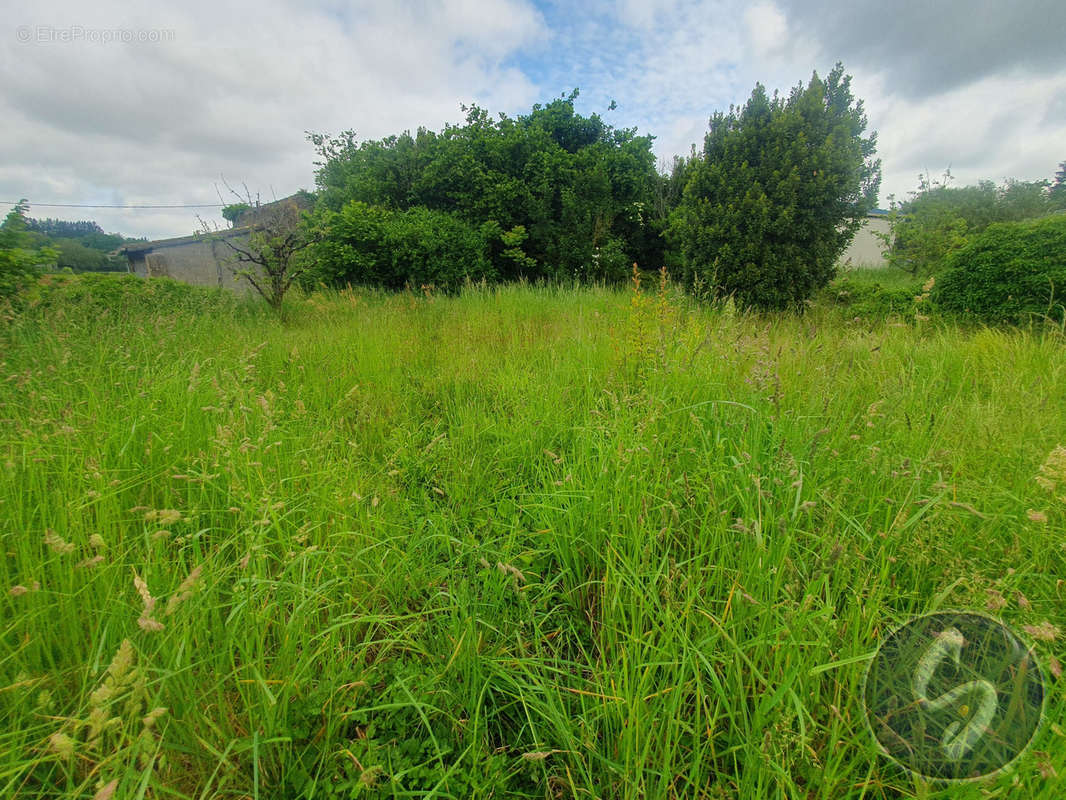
(779, 190)
(568, 195)
(20, 254)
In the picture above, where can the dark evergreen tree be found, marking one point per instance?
(63, 228)
(779, 190)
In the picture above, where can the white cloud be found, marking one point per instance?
(767, 27)
(238, 85)
(708, 54)
(234, 92)
(645, 13)
(994, 128)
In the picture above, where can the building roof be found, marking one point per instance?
(248, 222)
(146, 247)
(301, 201)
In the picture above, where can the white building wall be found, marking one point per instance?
(865, 249)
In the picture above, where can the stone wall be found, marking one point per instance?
(208, 261)
(201, 262)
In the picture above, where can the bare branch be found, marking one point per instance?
(247, 198)
(268, 249)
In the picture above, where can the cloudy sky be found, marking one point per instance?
(113, 103)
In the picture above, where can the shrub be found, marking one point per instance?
(1008, 273)
(17, 271)
(232, 213)
(274, 255)
(940, 219)
(870, 299)
(610, 262)
(369, 245)
(75, 255)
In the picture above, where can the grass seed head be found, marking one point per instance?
(1052, 475)
(1044, 632)
(120, 665)
(142, 590)
(188, 586)
(146, 621)
(163, 516)
(149, 624)
(56, 543)
(62, 745)
(153, 716)
(996, 601)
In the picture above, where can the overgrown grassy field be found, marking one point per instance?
(520, 543)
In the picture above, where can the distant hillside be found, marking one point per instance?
(83, 246)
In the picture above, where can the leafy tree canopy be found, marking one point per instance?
(582, 191)
(939, 219)
(81, 246)
(232, 212)
(778, 192)
(63, 228)
(20, 255)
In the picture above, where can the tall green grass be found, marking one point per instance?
(887, 276)
(519, 543)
